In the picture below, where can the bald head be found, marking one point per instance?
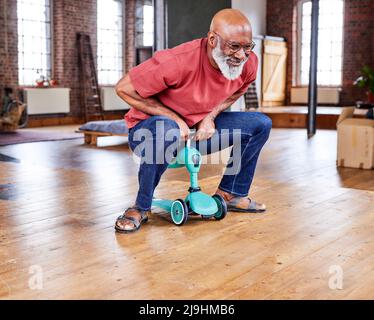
(230, 22)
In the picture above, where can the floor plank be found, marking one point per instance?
(59, 201)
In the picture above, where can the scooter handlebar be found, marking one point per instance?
(191, 135)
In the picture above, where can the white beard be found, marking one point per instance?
(229, 72)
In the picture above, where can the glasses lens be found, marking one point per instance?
(249, 47)
(235, 47)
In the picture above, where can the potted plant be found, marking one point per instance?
(366, 81)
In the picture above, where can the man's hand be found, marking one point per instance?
(184, 129)
(205, 128)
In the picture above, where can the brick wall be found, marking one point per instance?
(358, 40)
(69, 17)
(358, 45)
(8, 45)
(130, 57)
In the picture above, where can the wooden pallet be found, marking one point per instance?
(90, 137)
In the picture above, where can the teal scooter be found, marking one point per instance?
(196, 202)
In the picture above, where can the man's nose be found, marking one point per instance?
(240, 54)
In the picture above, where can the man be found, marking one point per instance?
(190, 86)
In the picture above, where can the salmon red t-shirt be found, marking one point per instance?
(183, 79)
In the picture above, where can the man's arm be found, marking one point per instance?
(206, 127)
(126, 91)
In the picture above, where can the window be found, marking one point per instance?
(109, 41)
(34, 40)
(330, 42)
(144, 23)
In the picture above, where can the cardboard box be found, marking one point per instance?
(355, 141)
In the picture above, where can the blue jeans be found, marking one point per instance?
(246, 132)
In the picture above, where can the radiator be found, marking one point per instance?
(111, 101)
(47, 100)
(325, 95)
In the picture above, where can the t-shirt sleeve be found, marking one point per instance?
(155, 74)
(251, 70)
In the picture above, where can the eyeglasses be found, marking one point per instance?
(235, 47)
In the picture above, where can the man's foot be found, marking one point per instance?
(241, 204)
(131, 220)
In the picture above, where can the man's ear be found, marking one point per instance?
(212, 39)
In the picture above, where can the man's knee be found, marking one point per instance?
(265, 123)
(260, 123)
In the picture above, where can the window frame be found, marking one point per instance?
(123, 30)
(298, 47)
(137, 18)
(51, 44)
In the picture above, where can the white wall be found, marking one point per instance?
(255, 10)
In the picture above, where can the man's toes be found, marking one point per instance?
(129, 226)
(257, 205)
(125, 225)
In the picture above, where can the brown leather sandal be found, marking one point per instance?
(254, 207)
(136, 222)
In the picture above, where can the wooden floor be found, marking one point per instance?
(59, 200)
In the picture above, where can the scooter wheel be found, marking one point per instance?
(179, 212)
(222, 207)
